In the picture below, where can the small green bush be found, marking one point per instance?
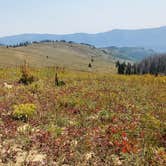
(26, 77)
(36, 87)
(55, 130)
(23, 111)
(105, 115)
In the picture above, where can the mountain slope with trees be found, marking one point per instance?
(151, 65)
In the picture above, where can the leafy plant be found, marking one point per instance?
(54, 130)
(105, 115)
(23, 111)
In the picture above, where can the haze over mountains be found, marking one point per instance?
(153, 38)
(134, 54)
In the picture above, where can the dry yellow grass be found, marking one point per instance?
(73, 56)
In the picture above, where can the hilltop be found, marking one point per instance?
(70, 55)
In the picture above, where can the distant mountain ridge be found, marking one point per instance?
(152, 38)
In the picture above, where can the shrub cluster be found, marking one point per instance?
(26, 77)
(23, 111)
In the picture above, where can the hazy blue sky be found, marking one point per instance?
(70, 16)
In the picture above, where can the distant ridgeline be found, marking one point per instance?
(149, 38)
(128, 53)
(151, 65)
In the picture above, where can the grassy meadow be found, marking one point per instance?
(70, 55)
(96, 118)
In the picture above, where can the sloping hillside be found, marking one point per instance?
(65, 54)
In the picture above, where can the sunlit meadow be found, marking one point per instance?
(94, 119)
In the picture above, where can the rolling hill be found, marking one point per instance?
(70, 55)
(154, 38)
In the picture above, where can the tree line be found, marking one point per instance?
(22, 44)
(25, 44)
(151, 65)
